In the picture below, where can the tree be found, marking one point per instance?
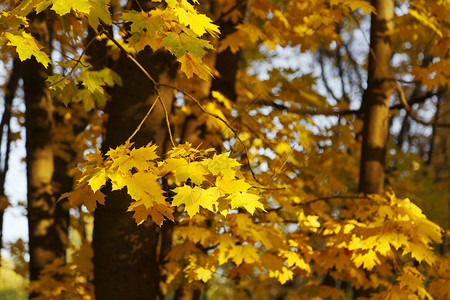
(376, 100)
(232, 176)
(48, 220)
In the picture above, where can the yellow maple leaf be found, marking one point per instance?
(194, 170)
(246, 200)
(228, 184)
(98, 179)
(145, 186)
(193, 198)
(199, 23)
(294, 259)
(246, 253)
(368, 260)
(223, 164)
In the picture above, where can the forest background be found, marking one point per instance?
(228, 149)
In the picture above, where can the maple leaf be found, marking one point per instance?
(199, 23)
(157, 212)
(180, 44)
(368, 260)
(204, 274)
(276, 268)
(145, 186)
(248, 201)
(27, 46)
(191, 65)
(98, 179)
(245, 253)
(99, 11)
(294, 259)
(234, 41)
(229, 185)
(223, 164)
(355, 4)
(193, 198)
(62, 7)
(84, 195)
(194, 170)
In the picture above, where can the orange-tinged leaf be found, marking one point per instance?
(191, 65)
(84, 195)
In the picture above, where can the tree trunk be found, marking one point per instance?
(376, 100)
(127, 257)
(47, 220)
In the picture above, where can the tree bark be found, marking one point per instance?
(47, 219)
(376, 100)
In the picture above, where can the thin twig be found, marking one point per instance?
(143, 120)
(408, 109)
(333, 197)
(282, 166)
(320, 199)
(158, 95)
(219, 118)
(166, 114)
(78, 61)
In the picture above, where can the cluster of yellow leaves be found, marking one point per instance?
(177, 28)
(13, 21)
(393, 224)
(291, 22)
(211, 183)
(70, 278)
(382, 235)
(429, 19)
(66, 280)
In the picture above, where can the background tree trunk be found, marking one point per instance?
(47, 219)
(376, 100)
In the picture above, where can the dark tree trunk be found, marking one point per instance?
(128, 258)
(376, 100)
(47, 219)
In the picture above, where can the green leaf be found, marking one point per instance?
(180, 44)
(99, 11)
